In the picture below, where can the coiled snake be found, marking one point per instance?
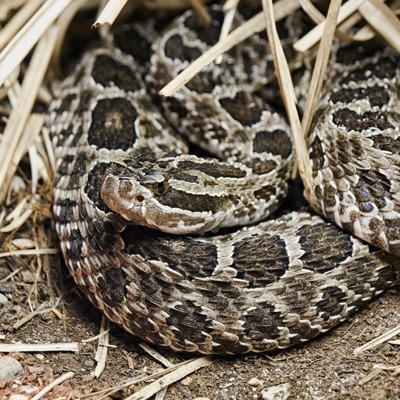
(269, 285)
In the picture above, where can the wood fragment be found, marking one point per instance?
(102, 394)
(29, 252)
(172, 377)
(102, 347)
(41, 309)
(161, 359)
(110, 13)
(156, 355)
(372, 375)
(383, 20)
(52, 385)
(379, 340)
(34, 348)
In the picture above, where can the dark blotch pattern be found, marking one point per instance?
(94, 184)
(112, 124)
(381, 70)
(108, 72)
(191, 258)
(261, 259)
(369, 120)
(212, 169)
(65, 210)
(276, 142)
(207, 33)
(130, 41)
(376, 95)
(175, 48)
(324, 247)
(66, 103)
(194, 202)
(387, 143)
(355, 51)
(243, 107)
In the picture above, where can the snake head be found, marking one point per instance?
(163, 195)
(131, 193)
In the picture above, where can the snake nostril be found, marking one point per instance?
(139, 198)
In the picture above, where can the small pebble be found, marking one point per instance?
(3, 299)
(89, 363)
(28, 276)
(10, 368)
(187, 381)
(279, 392)
(253, 382)
(18, 397)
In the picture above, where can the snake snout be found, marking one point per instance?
(125, 196)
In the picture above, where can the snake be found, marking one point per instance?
(166, 209)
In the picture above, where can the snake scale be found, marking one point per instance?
(123, 171)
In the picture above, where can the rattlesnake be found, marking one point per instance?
(265, 286)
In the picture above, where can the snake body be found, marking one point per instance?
(269, 285)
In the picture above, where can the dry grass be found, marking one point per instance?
(40, 27)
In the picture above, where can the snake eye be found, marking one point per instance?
(161, 188)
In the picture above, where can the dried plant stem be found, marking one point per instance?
(282, 8)
(379, 340)
(289, 98)
(321, 65)
(31, 132)
(27, 37)
(19, 115)
(365, 33)
(102, 347)
(198, 6)
(18, 21)
(312, 37)
(318, 17)
(33, 348)
(230, 11)
(383, 20)
(230, 5)
(174, 376)
(110, 13)
(52, 385)
(156, 355)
